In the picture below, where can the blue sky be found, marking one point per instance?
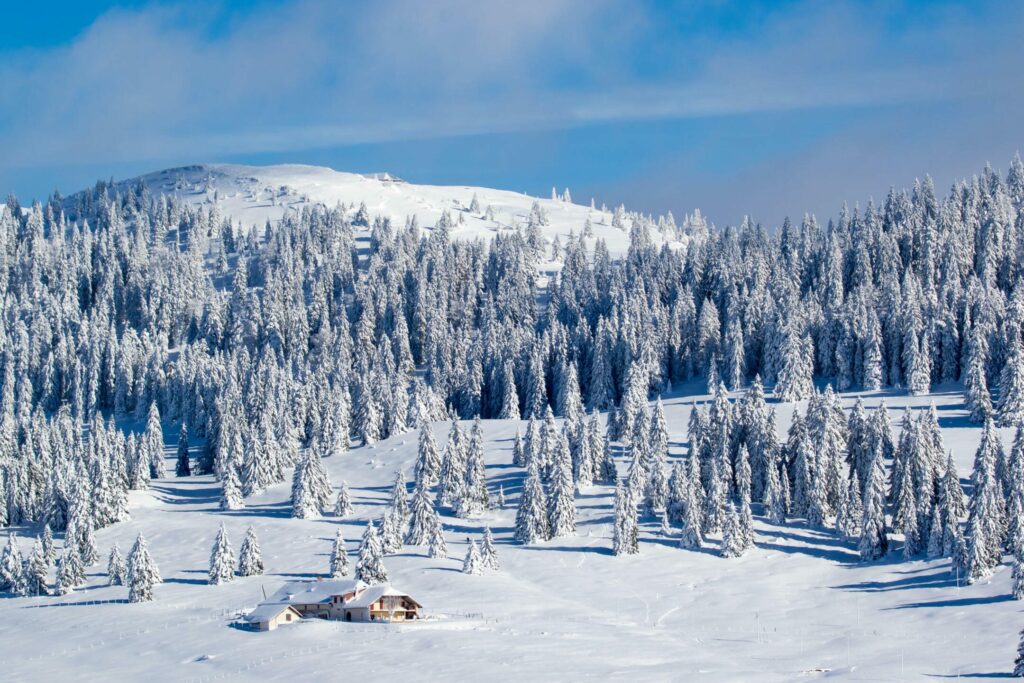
(760, 108)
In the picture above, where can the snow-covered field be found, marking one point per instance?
(800, 606)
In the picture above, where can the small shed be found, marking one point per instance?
(268, 616)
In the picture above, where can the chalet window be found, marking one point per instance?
(288, 617)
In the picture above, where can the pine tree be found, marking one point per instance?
(976, 393)
(733, 542)
(37, 570)
(509, 397)
(49, 551)
(986, 520)
(116, 569)
(774, 503)
(143, 574)
(70, 572)
(428, 461)
(343, 505)
(390, 533)
(874, 540)
(250, 557)
(1018, 663)
(794, 380)
(183, 468)
(87, 549)
(473, 563)
(1010, 409)
(222, 559)
(692, 536)
(746, 520)
(400, 498)
(370, 566)
(12, 569)
(231, 489)
(421, 518)
(905, 516)
(339, 557)
(153, 438)
(518, 450)
(304, 499)
(473, 497)
(607, 472)
(437, 547)
(851, 513)
(561, 502)
(1018, 574)
(532, 517)
(488, 553)
(625, 537)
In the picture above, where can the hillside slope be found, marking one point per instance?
(253, 195)
(799, 605)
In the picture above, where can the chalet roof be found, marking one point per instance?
(316, 592)
(266, 611)
(310, 592)
(375, 593)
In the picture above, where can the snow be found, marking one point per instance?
(253, 195)
(797, 606)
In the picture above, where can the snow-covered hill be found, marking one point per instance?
(252, 195)
(800, 606)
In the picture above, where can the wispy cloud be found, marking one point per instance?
(155, 82)
(174, 82)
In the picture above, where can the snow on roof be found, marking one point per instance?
(302, 593)
(375, 593)
(309, 592)
(266, 611)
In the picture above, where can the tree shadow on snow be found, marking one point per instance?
(594, 549)
(265, 510)
(186, 492)
(189, 582)
(956, 602)
(940, 579)
(837, 556)
(989, 674)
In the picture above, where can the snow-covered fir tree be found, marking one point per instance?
(532, 524)
(343, 503)
(339, 557)
(70, 571)
(143, 573)
(37, 570)
(488, 553)
(733, 541)
(250, 557)
(626, 531)
(222, 559)
(370, 564)
(874, 535)
(472, 564)
(437, 548)
(561, 500)
(1010, 407)
(116, 569)
(12, 569)
(986, 523)
(428, 459)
